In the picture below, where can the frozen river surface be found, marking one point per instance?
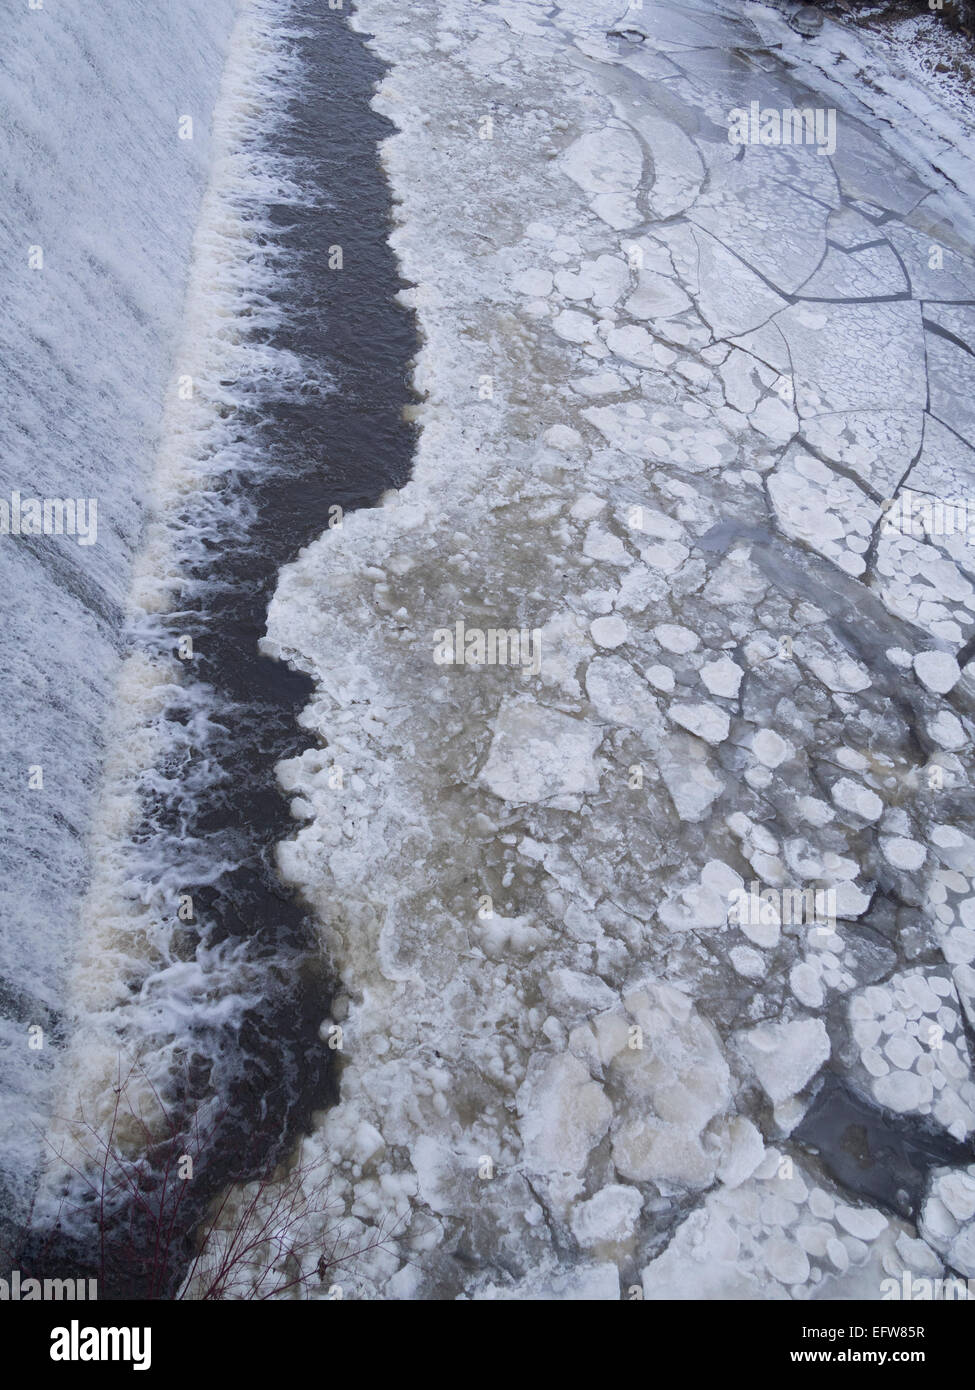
(656, 939)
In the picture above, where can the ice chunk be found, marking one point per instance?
(609, 632)
(743, 1149)
(722, 677)
(692, 785)
(786, 1056)
(574, 992)
(903, 854)
(852, 796)
(770, 748)
(939, 671)
(707, 721)
(535, 283)
(676, 638)
(619, 694)
(537, 752)
(608, 164)
(564, 1113)
(633, 344)
(607, 1218)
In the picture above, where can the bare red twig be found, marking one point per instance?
(263, 1237)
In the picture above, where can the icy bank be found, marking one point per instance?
(101, 196)
(669, 384)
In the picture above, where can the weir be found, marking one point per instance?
(96, 224)
(284, 410)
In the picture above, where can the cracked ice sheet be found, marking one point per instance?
(556, 1042)
(860, 70)
(874, 358)
(764, 221)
